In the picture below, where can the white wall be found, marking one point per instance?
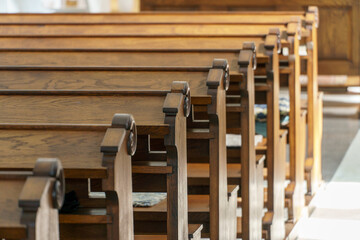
(48, 6)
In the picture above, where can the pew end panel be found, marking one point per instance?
(251, 223)
(30, 201)
(314, 104)
(297, 126)
(176, 108)
(217, 83)
(276, 163)
(118, 145)
(295, 190)
(66, 115)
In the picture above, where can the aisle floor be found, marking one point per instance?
(336, 207)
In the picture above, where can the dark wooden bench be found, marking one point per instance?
(244, 204)
(173, 58)
(193, 174)
(291, 29)
(60, 33)
(121, 78)
(29, 201)
(309, 18)
(77, 121)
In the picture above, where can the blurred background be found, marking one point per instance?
(50, 6)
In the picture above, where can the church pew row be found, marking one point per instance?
(292, 29)
(29, 201)
(74, 127)
(167, 58)
(201, 98)
(309, 18)
(106, 57)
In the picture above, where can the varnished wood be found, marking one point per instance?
(235, 17)
(197, 81)
(250, 149)
(29, 207)
(166, 108)
(137, 30)
(148, 17)
(275, 17)
(50, 105)
(331, 62)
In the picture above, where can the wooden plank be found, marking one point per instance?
(27, 205)
(153, 17)
(239, 29)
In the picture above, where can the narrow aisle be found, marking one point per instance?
(336, 213)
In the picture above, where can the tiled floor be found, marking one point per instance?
(341, 123)
(336, 207)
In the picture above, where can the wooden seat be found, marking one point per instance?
(310, 18)
(29, 201)
(202, 80)
(122, 29)
(244, 123)
(163, 17)
(75, 114)
(80, 148)
(292, 29)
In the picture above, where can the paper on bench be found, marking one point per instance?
(234, 140)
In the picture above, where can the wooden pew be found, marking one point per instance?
(172, 58)
(243, 228)
(292, 29)
(76, 121)
(310, 19)
(215, 80)
(29, 201)
(244, 124)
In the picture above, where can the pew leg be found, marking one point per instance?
(231, 217)
(112, 208)
(277, 227)
(313, 170)
(260, 193)
(298, 198)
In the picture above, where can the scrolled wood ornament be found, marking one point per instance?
(184, 88)
(52, 167)
(223, 64)
(127, 122)
(248, 55)
(276, 32)
(252, 47)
